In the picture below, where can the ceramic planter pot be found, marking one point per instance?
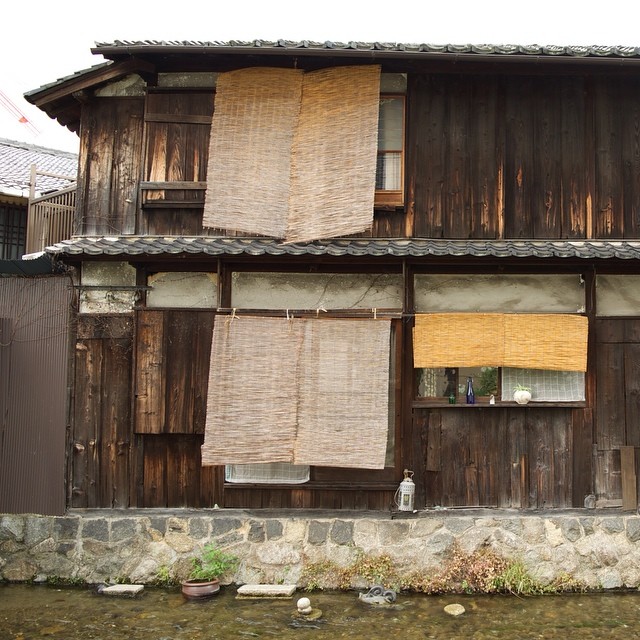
(522, 396)
(197, 589)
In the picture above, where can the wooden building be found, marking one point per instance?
(362, 228)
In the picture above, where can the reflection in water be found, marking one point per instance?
(28, 611)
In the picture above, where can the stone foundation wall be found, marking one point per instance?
(602, 550)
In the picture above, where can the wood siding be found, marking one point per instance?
(109, 170)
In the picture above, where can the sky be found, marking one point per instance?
(48, 40)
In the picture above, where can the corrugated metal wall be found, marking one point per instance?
(34, 338)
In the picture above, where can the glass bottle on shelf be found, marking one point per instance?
(471, 396)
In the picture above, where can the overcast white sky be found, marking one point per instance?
(44, 41)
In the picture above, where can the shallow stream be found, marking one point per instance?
(28, 612)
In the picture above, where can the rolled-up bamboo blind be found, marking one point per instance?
(307, 391)
(293, 155)
(534, 341)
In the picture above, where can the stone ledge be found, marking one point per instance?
(266, 590)
(122, 590)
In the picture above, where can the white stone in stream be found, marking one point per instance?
(454, 609)
(122, 589)
(266, 590)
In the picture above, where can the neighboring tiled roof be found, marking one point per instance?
(16, 159)
(478, 49)
(127, 246)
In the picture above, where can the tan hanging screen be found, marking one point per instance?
(293, 155)
(344, 394)
(252, 390)
(334, 154)
(534, 341)
(305, 391)
(249, 166)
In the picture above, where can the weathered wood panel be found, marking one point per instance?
(452, 156)
(109, 171)
(545, 158)
(500, 457)
(617, 146)
(582, 456)
(610, 402)
(173, 475)
(102, 418)
(173, 348)
(176, 151)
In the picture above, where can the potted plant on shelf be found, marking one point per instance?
(203, 580)
(521, 394)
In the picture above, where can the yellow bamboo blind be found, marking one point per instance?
(534, 341)
(293, 155)
(306, 391)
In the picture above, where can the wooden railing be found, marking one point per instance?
(50, 217)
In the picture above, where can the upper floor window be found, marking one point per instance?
(390, 164)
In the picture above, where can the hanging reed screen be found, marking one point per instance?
(252, 391)
(293, 155)
(249, 166)
(343, 394)
(532, 341)
(305, 391)
(334, 154)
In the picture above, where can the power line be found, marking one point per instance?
(8, 104)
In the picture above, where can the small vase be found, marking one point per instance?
(197, 589)
(522, 396)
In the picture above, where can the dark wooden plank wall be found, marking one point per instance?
(617, 400)
(102, 447)
(109, 169)
(177, 127)
(487, 157)
(502, 457)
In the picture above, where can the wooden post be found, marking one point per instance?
(628, 472)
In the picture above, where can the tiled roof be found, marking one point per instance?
(16, 159)
(392, 47)
(127, 246)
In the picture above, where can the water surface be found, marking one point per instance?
(28, 612)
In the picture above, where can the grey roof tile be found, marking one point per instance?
(484, 49)
(412, 248)
(16, 159)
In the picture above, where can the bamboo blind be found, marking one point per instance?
(249, 165)
(306, 391)
(334, 154)
(344, 394)
(252, 389)
(534, 341)
(293, 155)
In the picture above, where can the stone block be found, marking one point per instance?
(123, 529)
(318, 532)
(96, 529)
(342, 532)
(224, 524)
(256, 532)
(122, 590)
(274, 529)
(37, 530)
(66, 528)
(198, 528)
(266, 591)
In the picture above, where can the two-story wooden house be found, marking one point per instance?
(293, 259)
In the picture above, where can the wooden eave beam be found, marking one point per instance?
(90, 79)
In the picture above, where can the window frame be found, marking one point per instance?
(394, 197)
